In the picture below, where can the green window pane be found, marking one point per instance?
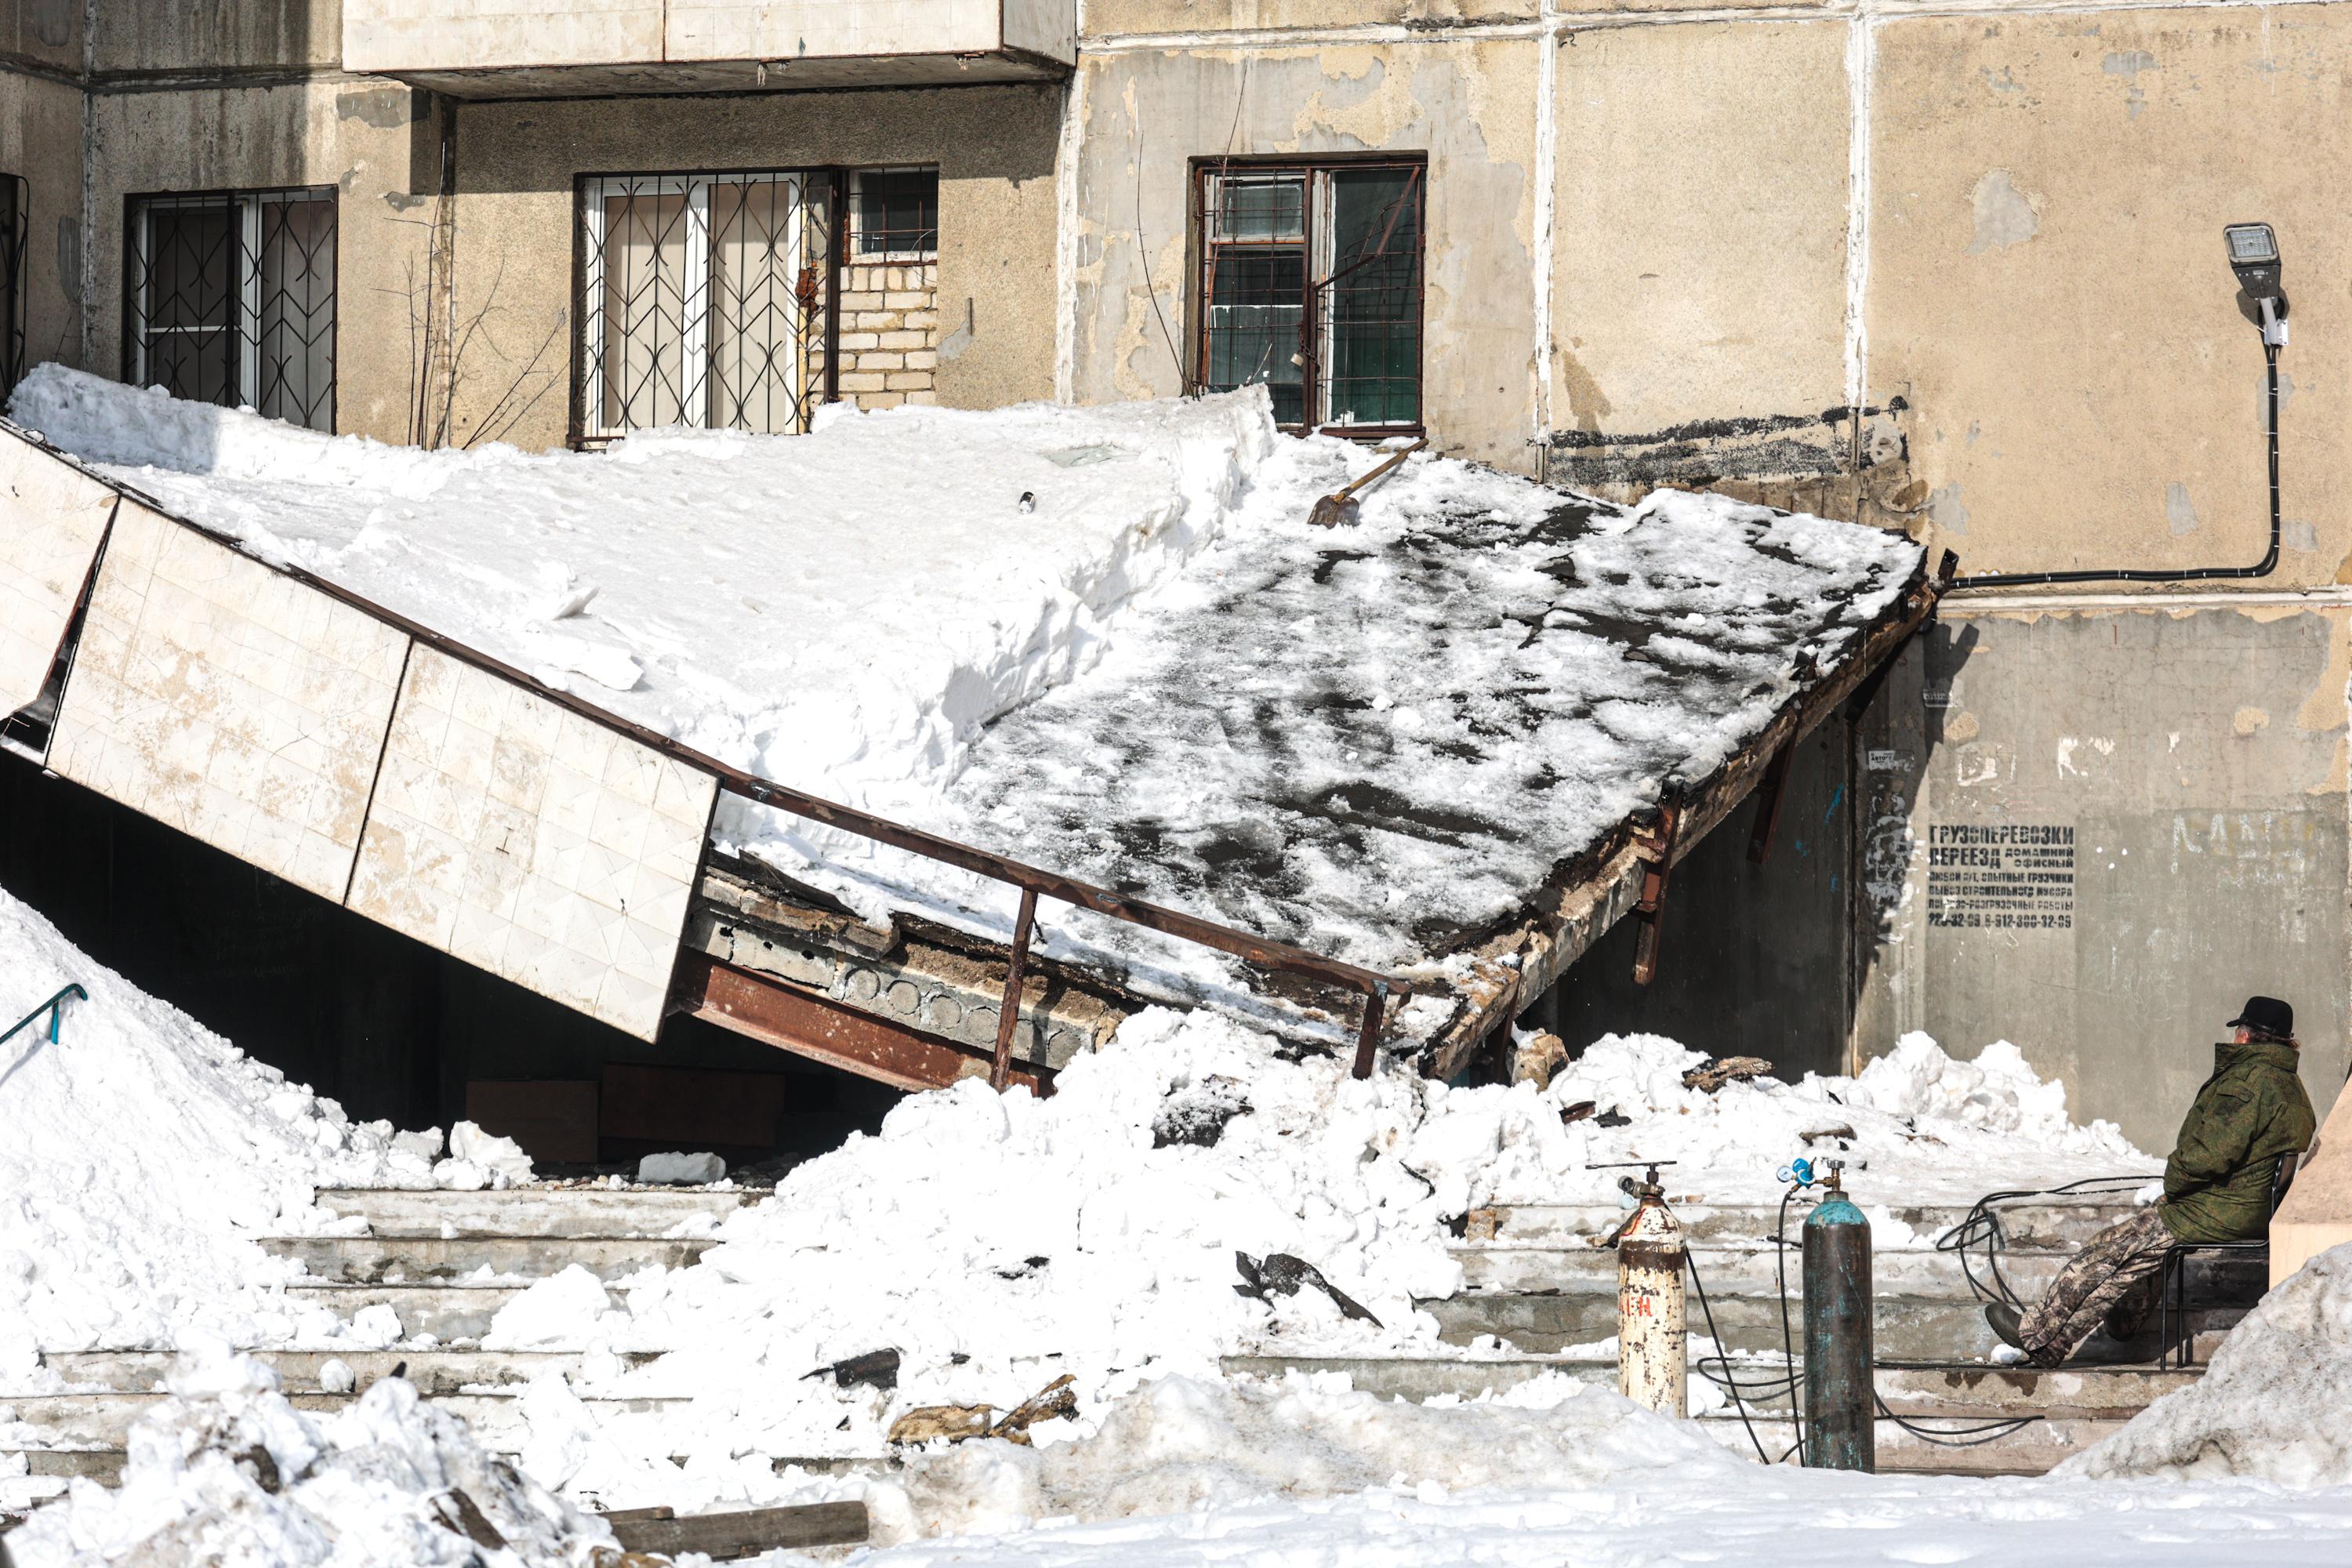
(1373, 301)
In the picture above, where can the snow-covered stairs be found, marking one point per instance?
(443, 1262)
(1535, 1290)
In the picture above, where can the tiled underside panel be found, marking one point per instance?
(236, 704)
(513, 834)
(52, 517)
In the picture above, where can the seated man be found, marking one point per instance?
(2216, 1187)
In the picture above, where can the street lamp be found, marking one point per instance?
(2255, 258)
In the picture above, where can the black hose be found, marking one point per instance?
(2268, 563)
(1983, 1223)
(1723, 1355)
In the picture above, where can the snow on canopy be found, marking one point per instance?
(1104, 640)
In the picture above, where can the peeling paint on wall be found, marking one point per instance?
(2004, 214)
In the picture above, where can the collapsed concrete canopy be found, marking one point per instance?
(1440, 749)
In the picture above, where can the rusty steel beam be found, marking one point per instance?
(823, 1031)
(1008, 1012)
(1650, 909)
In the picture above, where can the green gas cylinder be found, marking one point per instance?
(1840, 1414)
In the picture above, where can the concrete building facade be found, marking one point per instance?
(1947, 266)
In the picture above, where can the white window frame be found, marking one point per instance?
(695, 302)
(859, 256)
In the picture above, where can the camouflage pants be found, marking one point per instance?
(2113, 1276)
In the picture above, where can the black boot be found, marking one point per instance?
(2005, 1321)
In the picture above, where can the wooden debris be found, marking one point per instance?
(1480, 1224)
(1709, 1077)
(1841, 1132)
(1057, 1401)
(1538, 1057)
(1577, 1112)
(461, 1514)
(751, 1532)
(937, 1423)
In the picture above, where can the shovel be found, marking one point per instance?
(1340, 506)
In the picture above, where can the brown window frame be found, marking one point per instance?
(1207, 249)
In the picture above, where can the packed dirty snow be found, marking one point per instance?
(1182, 1446)
(229, 1473)
(143, 1153)
(998, 1242)
(1376, 741)
(2275, 1403)
(1652, 1516)
(1914, 1127)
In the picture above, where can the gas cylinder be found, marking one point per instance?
(1650, 1337)
(1840, 1349)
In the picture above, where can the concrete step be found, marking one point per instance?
(2029, 1450)
(395, 1259)
(1730, 1271)
(539, 1210)
(434, 1373)
(1910, 1329)
(1958, 1390)
(103, 1421)
(449, 1312)
(2028, 1225)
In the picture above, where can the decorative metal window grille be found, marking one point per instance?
(15, 229)
(1311, 284)
(704, 300)
(897, 215)
(232, 300)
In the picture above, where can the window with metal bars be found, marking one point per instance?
(897, 215)
(15, 229)
(1310, 284)
(231, 300)
(703, 300)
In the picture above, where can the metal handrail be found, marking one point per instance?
(55, 1007)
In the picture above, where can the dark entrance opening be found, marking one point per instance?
(390, 1028)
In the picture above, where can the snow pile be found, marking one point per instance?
(2273, 1406)
(142, 1154)
(229, 1473)
(1916, 1126)
(997, 1242)
(1377, 741)
(840, 611)
(1183, 1446)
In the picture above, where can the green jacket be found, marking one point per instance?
(2217, 1185)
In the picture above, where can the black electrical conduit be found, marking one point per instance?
(2264, 568)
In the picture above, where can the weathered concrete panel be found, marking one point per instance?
(1700, 232)
(197, 35)
(48, 32)
(227, 700)
(763, 30)
(1109, 18)
(2095, 834)
(2048, 288)
(1469, 104)
(423, 35)
(517, 221)
(52, 517)
(513, 834)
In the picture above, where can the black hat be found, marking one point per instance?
(2267, 1016)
